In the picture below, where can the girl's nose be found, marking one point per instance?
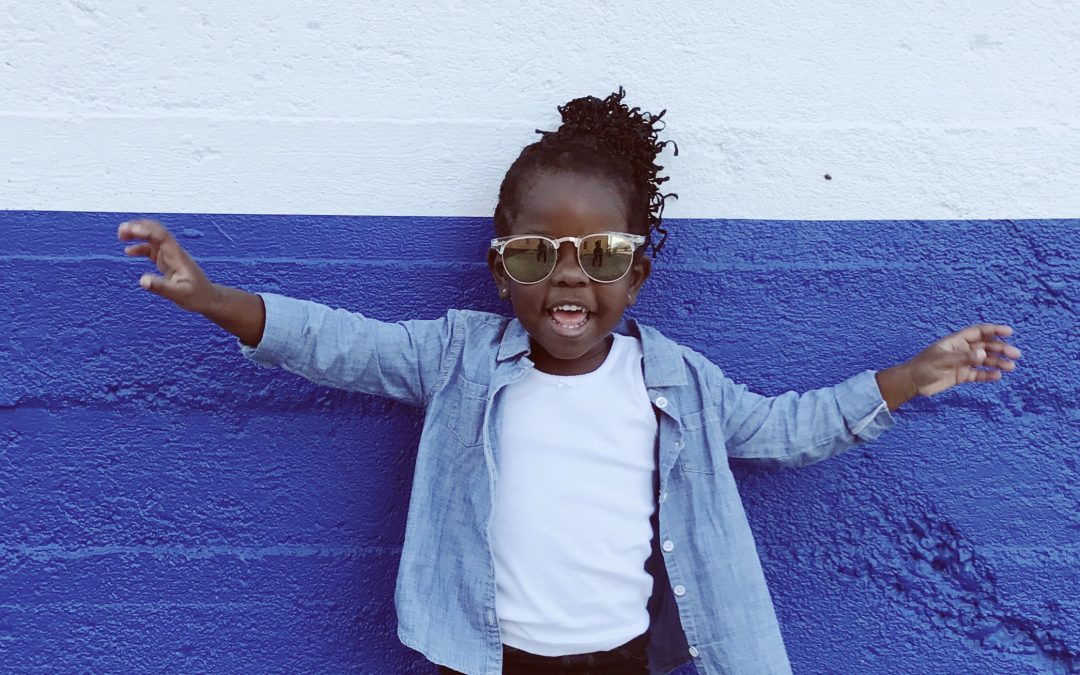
(567, 271)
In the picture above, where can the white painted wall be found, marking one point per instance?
(917, 108)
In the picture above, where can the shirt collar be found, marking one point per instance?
(515, 341)
(664, 364)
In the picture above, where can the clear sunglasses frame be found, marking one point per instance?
(499, 244)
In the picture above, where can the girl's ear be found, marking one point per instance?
(638, 274)
(498, 273)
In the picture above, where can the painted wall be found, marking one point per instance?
(167, 506)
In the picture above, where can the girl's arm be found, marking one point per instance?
(797, 429)
(332, 347)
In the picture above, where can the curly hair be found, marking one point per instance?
(600, 137)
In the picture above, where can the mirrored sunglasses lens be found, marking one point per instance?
(529, 259)
(606, 257)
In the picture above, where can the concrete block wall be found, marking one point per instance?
(166, 506)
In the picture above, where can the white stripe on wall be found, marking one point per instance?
(916, 110)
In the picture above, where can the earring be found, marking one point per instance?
(503, 293)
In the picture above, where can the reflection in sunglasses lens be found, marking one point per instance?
(529, 259)
(606, 257)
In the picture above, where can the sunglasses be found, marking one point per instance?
(605, 257)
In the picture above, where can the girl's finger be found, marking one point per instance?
(961, 359)
(984, 331)
(1000, 364)
(124, 232)
(1003, 348)
(159, 285)
(143, 249)
(997, 347)
(150, 230)
(986, 376)
(152, 282)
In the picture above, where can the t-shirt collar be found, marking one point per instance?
(664, 365)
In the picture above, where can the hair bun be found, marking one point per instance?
(628, 134)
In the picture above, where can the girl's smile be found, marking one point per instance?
(569, 316)
(569, 319)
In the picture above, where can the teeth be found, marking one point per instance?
(568, 308)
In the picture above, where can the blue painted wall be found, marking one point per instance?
(167, 506)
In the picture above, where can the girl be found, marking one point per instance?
(572, 506)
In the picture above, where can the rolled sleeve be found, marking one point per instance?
(282, 330)
(863, 407)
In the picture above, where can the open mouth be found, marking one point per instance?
(569, 319)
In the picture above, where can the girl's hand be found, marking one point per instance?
(183, 282)
(959, 358)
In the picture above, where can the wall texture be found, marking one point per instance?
(166, 506)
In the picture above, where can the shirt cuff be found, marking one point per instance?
(281, 332)
(863, 406)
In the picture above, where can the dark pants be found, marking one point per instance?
(629, 659)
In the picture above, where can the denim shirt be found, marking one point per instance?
(710, 602)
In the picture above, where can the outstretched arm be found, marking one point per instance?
(797, 429)
(333, 347)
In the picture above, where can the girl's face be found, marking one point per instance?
(570, 205)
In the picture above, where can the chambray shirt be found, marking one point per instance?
(710, 601)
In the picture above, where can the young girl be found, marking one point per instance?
(572, 508)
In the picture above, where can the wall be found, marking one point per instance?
(168, 506)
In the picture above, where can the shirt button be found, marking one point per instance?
(661, 402)
(669, 545)
(491, 616)
(663, 497)
(694, 652)
(680, 590)
(678, 445)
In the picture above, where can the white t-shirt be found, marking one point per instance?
(570, 530)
